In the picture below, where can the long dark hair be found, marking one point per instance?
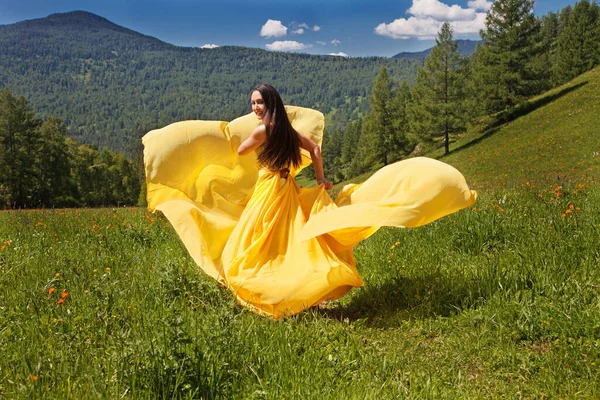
(282, 147)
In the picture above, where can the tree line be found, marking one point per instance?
(520, 56)
(42, 167)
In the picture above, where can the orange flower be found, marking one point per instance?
(51, 290)
(57, 274)
(7, 242)
(61, 301)
(33, 377)
(64, 294)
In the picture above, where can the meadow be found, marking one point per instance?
(501, 300)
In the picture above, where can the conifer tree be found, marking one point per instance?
(332, 149)
(349, 148)
(438, 106)
(505, 75)
(578, 47)
(401, 122)
(54, 165)
(379, 137)
(19, 138)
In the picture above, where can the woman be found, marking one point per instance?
(232, 198)
(282, 142)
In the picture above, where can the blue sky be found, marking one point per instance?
(341, 27)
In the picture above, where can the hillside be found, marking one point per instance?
(465, 48)
(553, 142)
(111, 84)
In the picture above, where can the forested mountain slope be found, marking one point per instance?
(111, 84)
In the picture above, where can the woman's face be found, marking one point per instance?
(258, 105)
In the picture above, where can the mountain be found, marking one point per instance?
(111, 85)
(465, 48)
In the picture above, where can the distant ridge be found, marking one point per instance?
(466, 47)
(99, 32)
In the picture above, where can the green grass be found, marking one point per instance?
(501, 300)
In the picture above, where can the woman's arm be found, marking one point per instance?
(317, 160)
(252, 142)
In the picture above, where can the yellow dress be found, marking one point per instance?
(281, 248)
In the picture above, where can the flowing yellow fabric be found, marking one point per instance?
(281, 248)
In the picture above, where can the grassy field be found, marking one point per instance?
(501, 300)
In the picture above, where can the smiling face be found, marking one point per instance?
(258, 104)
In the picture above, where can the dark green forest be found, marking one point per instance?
(111, 85)
(105, 86)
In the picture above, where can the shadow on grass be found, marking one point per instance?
(519, 111)
(400, 299)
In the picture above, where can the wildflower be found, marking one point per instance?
(61, 301)
(51, 290)
(33, 378)
(107, 268)
(7, 242)
(64, 294)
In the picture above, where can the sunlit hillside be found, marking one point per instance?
(554, 141)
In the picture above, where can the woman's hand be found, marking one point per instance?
(328, 185)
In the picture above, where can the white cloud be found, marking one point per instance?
(322, 43)
(287, 45)
(335, 42)
(209, 46)
(273, 28)
(429, 15)
(340, 54)
(484, 5)
(466, 28)
(410, 28)
(300, 28)
(424, 9)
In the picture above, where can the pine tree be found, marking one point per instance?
(332, 150)
(401, 122)
(505, 75)
(579, 42)
(379, 138)
(54, 165)
(350, 142)
(438, 106)
(19, 138)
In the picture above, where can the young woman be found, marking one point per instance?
(279, 140)
(229, 191)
